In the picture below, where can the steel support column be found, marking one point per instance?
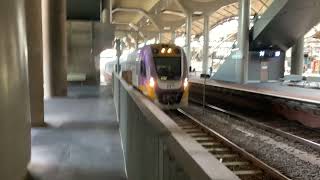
(54, 47)
(205, 44)
(173, 37)
(243, 38)
(188, 38)
(35, 61)
(137, 39)
(14, 91)
(297, 58)
(105, 14)
(160, 37)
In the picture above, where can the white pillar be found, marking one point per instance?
(46, 53)
(205, 44)
(297, 57)
(243, 38)
(35, 61)
(14, 91)
(54, 47)
(188, 38)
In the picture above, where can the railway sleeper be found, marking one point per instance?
(194, 131)
(218, 149)
(204, 139)
(197, 133)
(240, 167)
(248, 172)
(210, 144)
(190, 127)
(236, 163)
(225, 156)
(184, 123)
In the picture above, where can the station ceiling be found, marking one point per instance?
(149, 17)
(152, 16)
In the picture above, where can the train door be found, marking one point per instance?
(135, 72)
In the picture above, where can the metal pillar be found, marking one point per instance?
(35, 61)
(156, 39)
(173, 37)
(54, 47)
(205, 44)
(105, 14)
(118, 70)
(188, 38)
(118, 48)
(14, 92)
(297, 57)
(160, 37)
(137, 40)
(243, 38)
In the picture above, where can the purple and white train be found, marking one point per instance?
(160, 72)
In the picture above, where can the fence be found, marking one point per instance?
(155, 148)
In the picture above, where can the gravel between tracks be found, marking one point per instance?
(291, 158)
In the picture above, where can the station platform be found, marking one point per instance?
(81, 140)
(289, 102)
(273, 89)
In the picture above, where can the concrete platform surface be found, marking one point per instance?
(82, 140)
(275, 89)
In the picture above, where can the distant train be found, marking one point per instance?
(160, 72)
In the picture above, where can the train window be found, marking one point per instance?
(168, 68)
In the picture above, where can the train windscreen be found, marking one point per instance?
(168, 68)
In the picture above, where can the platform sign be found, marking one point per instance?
(268, 53)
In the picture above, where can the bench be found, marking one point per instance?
(77, 77)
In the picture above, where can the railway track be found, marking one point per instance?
(285, 128)
(240, 162)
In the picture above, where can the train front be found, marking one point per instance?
(169, 76)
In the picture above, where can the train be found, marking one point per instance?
(160, 72)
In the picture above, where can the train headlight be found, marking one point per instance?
(151, 82)
(185, 83)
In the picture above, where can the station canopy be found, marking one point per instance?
(145, 19)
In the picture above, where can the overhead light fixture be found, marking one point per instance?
(171, 12)
(167, 28)
(197, 13)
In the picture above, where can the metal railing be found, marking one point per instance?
(155, 148)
